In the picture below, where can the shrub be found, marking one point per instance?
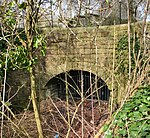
(133, 120)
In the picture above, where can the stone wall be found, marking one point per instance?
(18, 88)
(88, 49)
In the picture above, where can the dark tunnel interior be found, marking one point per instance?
(76, 81)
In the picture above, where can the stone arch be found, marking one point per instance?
(76, 81)
(100, 71)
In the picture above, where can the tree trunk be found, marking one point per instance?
(34, 102)
(32, 10)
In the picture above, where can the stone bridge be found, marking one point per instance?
(80, 49)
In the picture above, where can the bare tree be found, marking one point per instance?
(9, 29)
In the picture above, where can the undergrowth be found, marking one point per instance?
(133, 120)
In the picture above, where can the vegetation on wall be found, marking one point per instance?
(122, 52)
(21, 49)
(133, 119)
(17, 53)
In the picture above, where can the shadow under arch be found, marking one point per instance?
(76, 81)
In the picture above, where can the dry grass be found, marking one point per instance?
(54, 120)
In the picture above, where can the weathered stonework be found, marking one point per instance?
(88, 49)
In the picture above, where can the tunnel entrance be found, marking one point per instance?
(76, 82)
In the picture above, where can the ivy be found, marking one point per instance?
(122, 53)
(133, 120)
(18, 54)
(10, 36)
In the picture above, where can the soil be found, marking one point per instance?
(55, 117)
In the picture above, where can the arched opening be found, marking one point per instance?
(76, 82)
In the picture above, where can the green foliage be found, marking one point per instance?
(18, 54)
(122, 53)
(22, 5)
(9, 17)
(134, 118)
(10, 44)
(40, 42)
